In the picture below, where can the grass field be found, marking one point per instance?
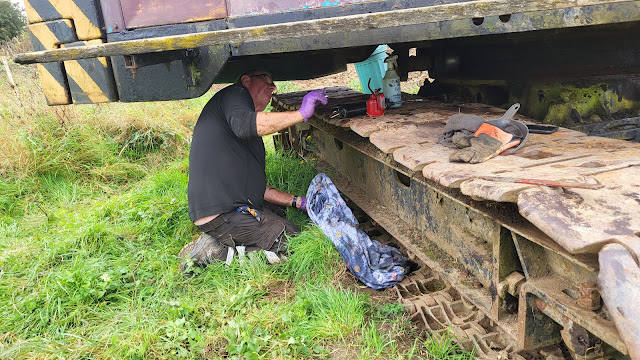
(93, 212)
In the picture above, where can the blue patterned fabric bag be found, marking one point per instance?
(377, 265)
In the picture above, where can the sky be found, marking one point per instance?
(19, 2)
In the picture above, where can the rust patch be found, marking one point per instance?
(143, 13)
(589, 296)
(536, 154)
(618, 284)
(540, 304)
(620, 227)
(555, 205)
(592, 164)
(634, 196)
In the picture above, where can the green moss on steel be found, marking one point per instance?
(195, 74)
(570, 105)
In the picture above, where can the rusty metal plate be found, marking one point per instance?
(143, 13)
(252, 7)
(583, 221)
(618, 283)
(112, 15)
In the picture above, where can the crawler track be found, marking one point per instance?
(510, 288)
(439, 309)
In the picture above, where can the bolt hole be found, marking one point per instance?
(477, 21)
(572, 293)
(338, 143)
(402, 179)
(505, 18)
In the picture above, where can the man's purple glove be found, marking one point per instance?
(310, 101)
(303, 203)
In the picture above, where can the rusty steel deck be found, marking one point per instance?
(525, 255)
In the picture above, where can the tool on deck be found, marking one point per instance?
(553, 183)
(492, 138)
(542, 129)
(348, 110)
(506, 123)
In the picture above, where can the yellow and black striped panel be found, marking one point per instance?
(86, 15)
(49, 35)
(56, 23)
(54, 83)
(90, 80)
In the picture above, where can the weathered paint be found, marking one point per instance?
(618, 283)
(54, 83)
(49, 35)
(322, 27)
(53, 23)
(342, 9)
(84, 13)
(189, 75)
(90, 80)
(144, 13)
(253, 7)
(112, 16)
(276, 46)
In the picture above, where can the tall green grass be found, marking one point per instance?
(93, 212)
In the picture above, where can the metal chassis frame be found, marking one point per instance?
(476, 246)
(401, 26)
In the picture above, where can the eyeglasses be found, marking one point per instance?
(265, 77)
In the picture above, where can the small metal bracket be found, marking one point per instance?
(511, 285)
(130, 63)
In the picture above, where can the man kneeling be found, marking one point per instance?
(229, 199)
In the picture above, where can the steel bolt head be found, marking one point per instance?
(589, 298)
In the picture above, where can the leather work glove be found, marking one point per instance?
(487, 142)
(310, 101)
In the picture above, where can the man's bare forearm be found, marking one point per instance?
(271, 122)
(278, 197)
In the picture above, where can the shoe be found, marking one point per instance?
(202, 252)
(272, 257)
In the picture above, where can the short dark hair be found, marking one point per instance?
(248, 72)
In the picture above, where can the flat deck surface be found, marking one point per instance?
(580, 220)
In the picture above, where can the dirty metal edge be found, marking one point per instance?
(361, 22)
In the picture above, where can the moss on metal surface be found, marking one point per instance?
(195, 74)
(571, 104)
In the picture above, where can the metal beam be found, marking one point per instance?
(343, 24)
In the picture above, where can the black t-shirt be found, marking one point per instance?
(227, 158)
